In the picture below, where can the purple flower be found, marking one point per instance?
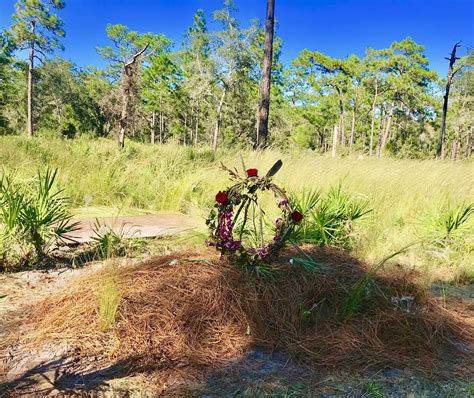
(282, 203)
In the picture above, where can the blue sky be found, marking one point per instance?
(335, 27)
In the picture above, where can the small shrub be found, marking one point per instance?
(33, 215)
(11, 203)
(329, 219)
(447, 233)
(45, 216)
(107, 242)
(445, 224)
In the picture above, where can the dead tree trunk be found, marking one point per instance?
(129, 70)
(264, 110)
(451, 72)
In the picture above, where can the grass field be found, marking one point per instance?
(406, 195)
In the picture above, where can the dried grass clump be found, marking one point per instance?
(202, 314)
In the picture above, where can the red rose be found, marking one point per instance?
(297, 217)
(252, 173)
(222, 198)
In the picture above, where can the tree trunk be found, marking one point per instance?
(468, 151)
(341, 117)
(30, 84)
(442, 131)
(456, 145)
(153, 124)
(386, 133)
(262, 129)
(321, 140)
(354, 109)
(196, 131)
(127, 83)
(334, 141)
(381, 127)
(161, 127)
(215, 137)
(185, 128)
(351, 138)
(372, 124)
(124, 112)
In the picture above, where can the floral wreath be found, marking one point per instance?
(222, 219)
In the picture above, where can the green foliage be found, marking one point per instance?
(34, 214)
(175, 178)
(108, 298)
(329, 219)
(374, 389)
(304, 314)
(126, 43)
(447, 222)
(448, 235)
(34, 25)
(107, 242)
(207, 91)
(361, 289)
(11, 203)
(306, 261)
(45, 216)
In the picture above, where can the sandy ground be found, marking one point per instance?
(145, 226)
(51, 371)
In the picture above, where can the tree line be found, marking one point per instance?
(207, 91)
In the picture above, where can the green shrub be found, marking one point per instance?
(107, 242)
(446, 224)
(329, 219)
(447, 233)
(33, 215)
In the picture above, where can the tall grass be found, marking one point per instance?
(108, 300)
(182, 179)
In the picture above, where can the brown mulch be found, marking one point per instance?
(188, 313)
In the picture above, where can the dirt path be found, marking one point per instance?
(146, 226)
(22, 289)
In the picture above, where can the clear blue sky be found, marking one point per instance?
(335, 27)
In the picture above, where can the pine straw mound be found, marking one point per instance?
(197, 315)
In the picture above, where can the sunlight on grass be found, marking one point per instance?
(108, 299)
(84, 212)
(171, 178)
